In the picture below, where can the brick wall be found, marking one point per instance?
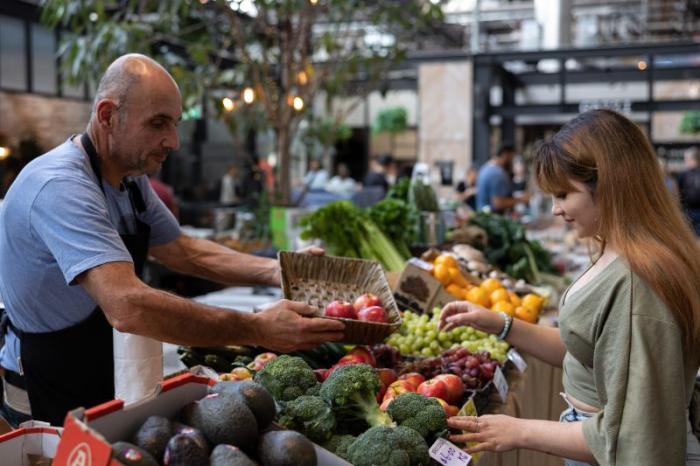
(50, 120)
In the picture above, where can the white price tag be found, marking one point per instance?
(517, 359)
(449, 454)
(501, 384)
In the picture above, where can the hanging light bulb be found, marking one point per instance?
(313, 2)
(302, 78)
(228, 104)
(248, 95)
(4, 152)
(298, 104)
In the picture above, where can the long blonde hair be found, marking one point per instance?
(639, 215)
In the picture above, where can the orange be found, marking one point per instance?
(456, 276)
(455, 291)
(477, 295)
(526, 314)
(498, 295)
(442, 274)
(533, 301)
(446, 259)
(490, 285)
(503, 306)
(514, 299)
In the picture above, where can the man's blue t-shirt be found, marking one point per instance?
(55, 224)
(493, 181)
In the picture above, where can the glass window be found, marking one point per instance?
(13, 59)
(43, 59)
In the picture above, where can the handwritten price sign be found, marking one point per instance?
(448, 454)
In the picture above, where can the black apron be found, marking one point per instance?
(74, 367)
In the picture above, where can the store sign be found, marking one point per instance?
(501, 384)
(449, 454)
(619, 105)
(517, 360)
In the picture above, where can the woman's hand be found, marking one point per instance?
(461, 313)
(492, 432)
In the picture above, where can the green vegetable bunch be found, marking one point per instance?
(348, 231)
(509, 249)
(399, 446)
(311, 416)
(286, 378)
(397, 220)
(422, 414)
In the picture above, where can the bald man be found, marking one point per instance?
(75, 230)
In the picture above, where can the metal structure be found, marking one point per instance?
(492, 68)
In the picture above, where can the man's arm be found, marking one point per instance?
(503, 203)
(212, 261)
(133, 307)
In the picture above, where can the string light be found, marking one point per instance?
(4, 152)
(642, 65)
(313, 2)
(228, 104)
(248, 95)
(298, 104)
(302, 78)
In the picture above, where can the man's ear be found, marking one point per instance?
(106, 111)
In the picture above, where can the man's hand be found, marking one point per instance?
(493, 433)
(313, 250)
(287, 326)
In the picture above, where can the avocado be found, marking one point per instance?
(185, 450)
(187, 413)
(197, 434)
(228, 455)
(254, 395)
(131, 455)
(286, 448)
(153, 435)
(224, 418)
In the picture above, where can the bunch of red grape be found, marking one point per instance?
(475, 370)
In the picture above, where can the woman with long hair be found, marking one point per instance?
(629, 336)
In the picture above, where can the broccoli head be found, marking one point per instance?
(351, 390)
(310, 415)
(339, 445)
(422, 414)
(399, 446)
(286, 377)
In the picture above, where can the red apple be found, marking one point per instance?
(366, 300)
(320, 374)
(452, 410)
(365, 354)
(351, 359)
(434, 388)
(393, 392)
(443, 403)
(262, 359)
(386, 376)
(455, 387)
(403, 384)
(372, 314)
(385, 404)
(341, 309)
(414, 378)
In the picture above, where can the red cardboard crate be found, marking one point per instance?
(33, 440)
(88, 434)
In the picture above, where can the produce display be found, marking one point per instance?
(230, 426)
(419, 336)
(475, 370)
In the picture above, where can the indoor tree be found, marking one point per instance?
(276, 55)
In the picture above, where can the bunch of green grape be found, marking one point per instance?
(419, 336)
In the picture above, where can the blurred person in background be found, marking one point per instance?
(166, 194)
(342, 183)
(229, 186)
(466, 189)
(629, 327)
(689, 187)
(378, 170)
(494, 188)
(316, 178)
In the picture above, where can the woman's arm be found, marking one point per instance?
(544, 343)
(503, 433)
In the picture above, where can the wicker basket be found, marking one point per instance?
(318, 280)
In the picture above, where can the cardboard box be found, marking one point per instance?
(33, 444)
(88, 434)
(418, 290)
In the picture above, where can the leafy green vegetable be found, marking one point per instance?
(397, 220)
(423, 197)
(509, 249)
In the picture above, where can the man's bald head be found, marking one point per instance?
(127, 75)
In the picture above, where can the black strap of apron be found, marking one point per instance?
(135, 196)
